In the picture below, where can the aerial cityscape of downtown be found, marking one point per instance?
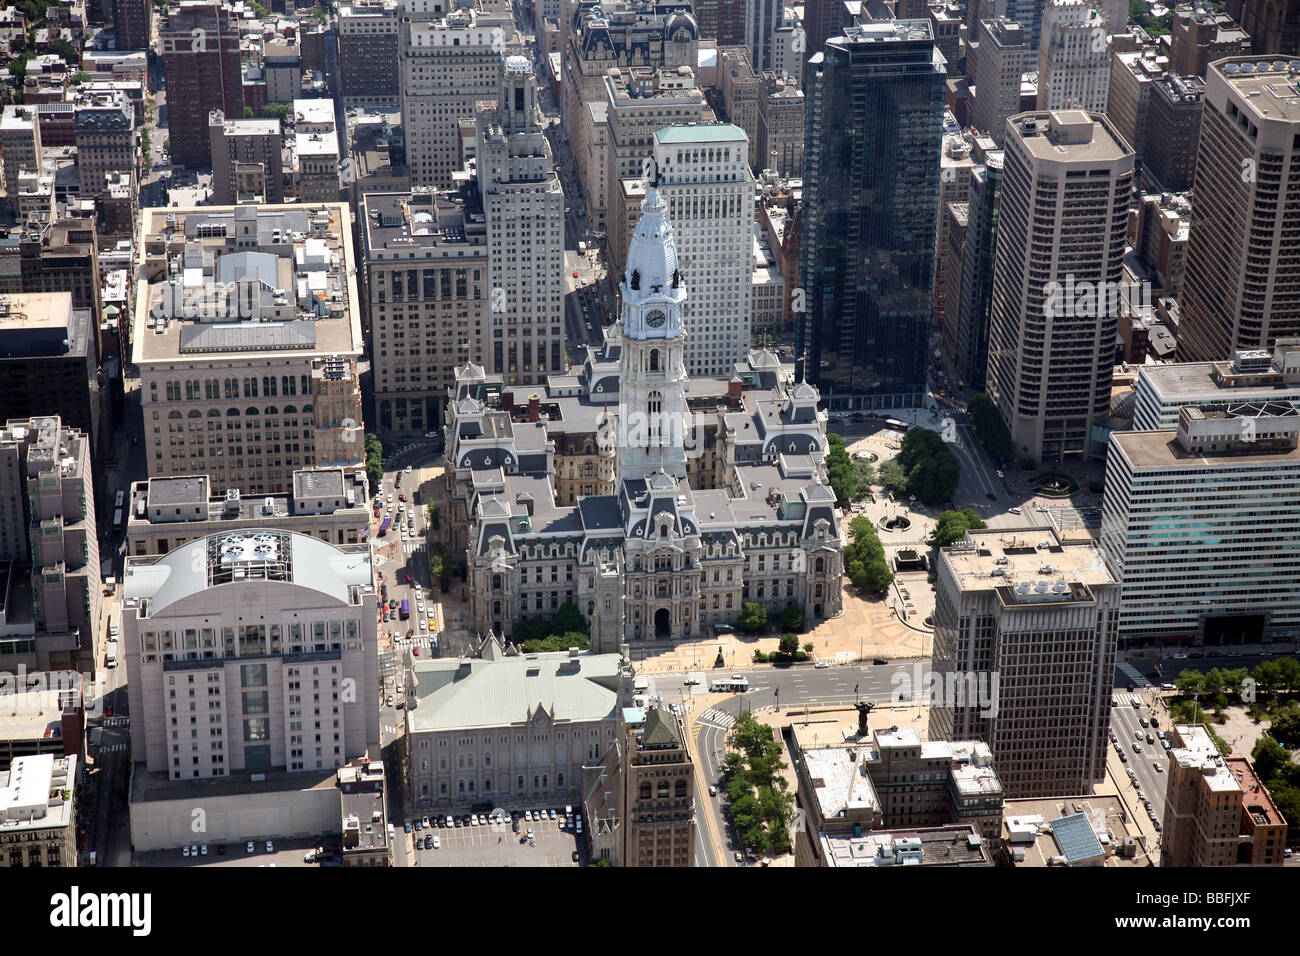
(650, 433)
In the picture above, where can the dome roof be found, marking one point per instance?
(652, 254)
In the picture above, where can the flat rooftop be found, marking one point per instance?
(1198, 752)
(1026, 826)
(35, 310)
(1269, 85)
(1161, 449)
(1255, 796)
(1068, 136)
(937, 846)
(1007, 559)
(842, 785)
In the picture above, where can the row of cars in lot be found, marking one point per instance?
(201, 849)
(568, 819)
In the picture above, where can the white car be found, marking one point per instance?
(203, 850)
(1000, 476)
(185, 851)
(250, 848)
(270, 847)
(389, 499)
(437, 843)
(820, 664)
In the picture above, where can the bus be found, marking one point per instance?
(117, 518)
(733, 684)
(893, 424)
(405, 609)
(383, 528)
(120, 500)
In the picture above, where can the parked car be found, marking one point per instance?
(820, 665)
(437, 843)
(270, 847)
(250, 848)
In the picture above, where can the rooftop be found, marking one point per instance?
(1269, 86)
(341, 573)
(1029, 565)
(954, 845)
(501, 691)
(1069, 136)
(1033, 835)
(701, 133)
(35, 792)
(1198, 752)
(222, 281)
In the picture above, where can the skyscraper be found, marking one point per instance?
(200, 50)
(708, 188)
(1073, 58)
(1003, 58)
(1242, 284)
(524, 207)
(762, 17)
(871, 187)
(1056, 279)
(966, 324)
(451, 58)
(1024, 657)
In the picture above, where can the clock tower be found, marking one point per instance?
(653, 416)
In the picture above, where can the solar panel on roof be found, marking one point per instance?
(1075, 837)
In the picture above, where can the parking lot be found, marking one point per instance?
(496, 844)
(285, 853)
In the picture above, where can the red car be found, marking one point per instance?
(401, 497)
(408, 578)
(108, 711)
(575, 275)
(378, 512)
(415, 651)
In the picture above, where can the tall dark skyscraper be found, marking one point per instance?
(871, 190)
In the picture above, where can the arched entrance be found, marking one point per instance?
(663, 624)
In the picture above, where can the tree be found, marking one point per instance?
(248, 112)
(275, 110)
(1285, 726)
(840, 473)
(865, 473)
(1190, 683)
(930, 466)
(792, 618)
(953, 525)
(893, 477)
(81, 76)
(62, 48)
(789, 644)
(374, 461)
(1270, 758)
(752, 618)
(876, 576)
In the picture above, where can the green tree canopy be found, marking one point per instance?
(931, 467)
(752, 618)
(953, 525)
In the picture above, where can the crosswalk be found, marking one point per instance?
(112, 748)
(116, 721)
(1135, 677)
(718, 718)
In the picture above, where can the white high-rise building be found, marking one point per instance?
(1073, 58)
(1200, 524)
(451, 57)
(250, 651)
(1056, 279)
(705, 179)
(523, 204)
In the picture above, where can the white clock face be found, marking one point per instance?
(655, 318)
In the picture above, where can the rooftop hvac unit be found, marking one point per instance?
(268, 506)
(232, 501)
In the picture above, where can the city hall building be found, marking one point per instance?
(694, 495)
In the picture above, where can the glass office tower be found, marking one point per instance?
(874, 128)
